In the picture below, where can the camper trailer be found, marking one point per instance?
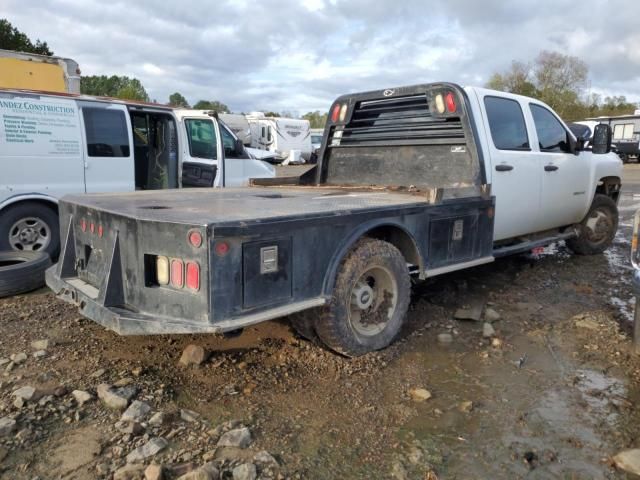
(239, 125)
(38, 72)
(626, 134)
(289, 139)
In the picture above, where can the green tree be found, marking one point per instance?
(13, 39)
(558, 80)
(177, 100)
(114, 86)
(272, 114)
(316, 119)
(212, 105)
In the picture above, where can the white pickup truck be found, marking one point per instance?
(55, 144)
(420, 180)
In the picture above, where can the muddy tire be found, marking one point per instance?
(598, 229)
(303, 323)
(22, 272)
(30, 227)
(370, 300)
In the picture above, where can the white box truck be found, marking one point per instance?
(56, 144)
(38, 72)
(289, 139)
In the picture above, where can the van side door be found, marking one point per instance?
(513, 168)
(565, 175)
(108, 152)
(201, 159)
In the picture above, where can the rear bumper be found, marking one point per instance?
(118, 319)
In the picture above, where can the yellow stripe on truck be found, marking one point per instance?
(17, 73)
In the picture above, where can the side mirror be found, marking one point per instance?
(601, 142)
(239, 146)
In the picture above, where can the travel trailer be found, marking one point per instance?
(239, 125)
(38, 72)
(56, 144)
(288, 138)
(626, 134)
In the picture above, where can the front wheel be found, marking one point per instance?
(369, 302)
(30, 227)
(598, 229)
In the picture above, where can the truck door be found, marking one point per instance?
(201, 153)
(239, 167)
(513, 168)
(108, 156)
(565, 176)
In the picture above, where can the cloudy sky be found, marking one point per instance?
(300, 55)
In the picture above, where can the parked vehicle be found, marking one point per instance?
(239, 125)
(288, 138)
(38, 72)
(52, 145)
(419, 180)
(626, 134)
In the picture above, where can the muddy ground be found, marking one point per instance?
(552, 395)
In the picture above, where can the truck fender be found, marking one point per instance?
(393, 232)
(24, 197)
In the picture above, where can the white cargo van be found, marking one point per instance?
(288, 138)
(55, 144)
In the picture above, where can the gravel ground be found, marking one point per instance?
(549, 390)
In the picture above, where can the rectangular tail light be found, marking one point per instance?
(193, 276)
(177, 273)
(162, 270)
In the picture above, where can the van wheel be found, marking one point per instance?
(369, 302)
(598, 229)
(22, 271)
(30, 227)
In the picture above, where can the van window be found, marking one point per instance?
(202, 138)
(106, 132)
(506, 123)
(552, 136)
(269, 136)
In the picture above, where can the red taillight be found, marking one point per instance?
(83, 225)
(195, 238)
(222, 248)
(100, 231)
(335, 113)
(193, 276)
(177, 273)
(451, 102)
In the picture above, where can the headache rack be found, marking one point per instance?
(397, 121)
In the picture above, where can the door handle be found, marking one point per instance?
(503, 168)
(550, 168)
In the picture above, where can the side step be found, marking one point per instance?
(531, 244)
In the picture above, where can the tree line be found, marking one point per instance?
(559, 80)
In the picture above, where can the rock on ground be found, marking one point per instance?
(265, 458)
(19, 358)
(246, 471)
(473, 312)
(445, 338)
(81, 397)
(128, 472)
(7, 426)
(419, 394)
(487, 330)
(113, 398)
(240, 438)
(154, 472)
(491, 315)
(136, 412)
(25, 393)
(206, 472)
(629, 461)
(148, 450)
(194, 355)
(189, 416)
(40, 344)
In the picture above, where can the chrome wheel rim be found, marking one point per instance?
(29, 234)
(374, 297)
(599, 226)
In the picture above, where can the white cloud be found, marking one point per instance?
(299, 56)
